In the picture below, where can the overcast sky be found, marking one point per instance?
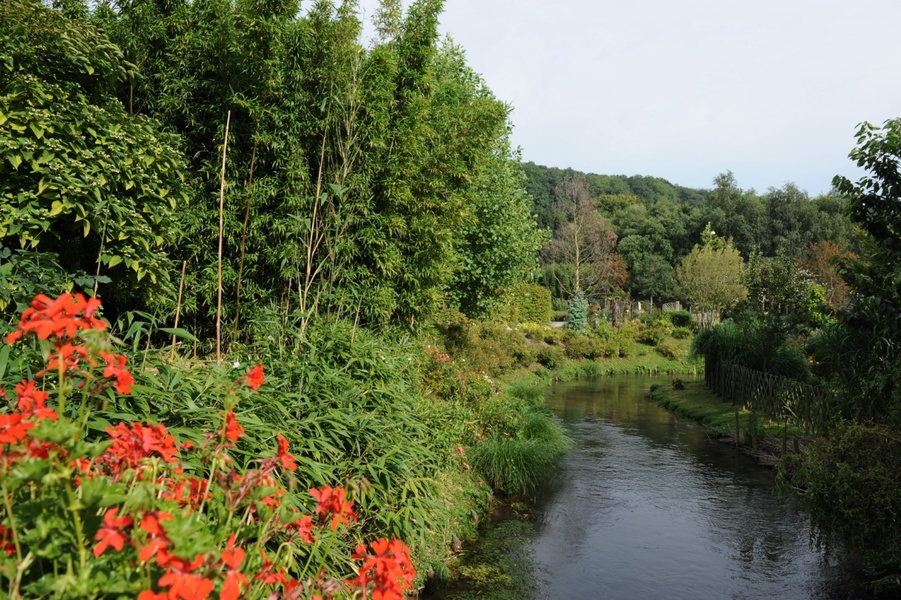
(685, 89)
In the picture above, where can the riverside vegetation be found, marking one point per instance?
(246, 185)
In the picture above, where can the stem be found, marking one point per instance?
(181, 287)
(253, 158)
(12, 520)
(61, 372)
(79, 529)
(221, 228)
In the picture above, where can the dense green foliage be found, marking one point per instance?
(656, 224)
(371, 181)
(90, 186)
(848, 481)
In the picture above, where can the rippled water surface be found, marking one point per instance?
(645, 506)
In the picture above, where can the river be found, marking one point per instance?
(645, 506)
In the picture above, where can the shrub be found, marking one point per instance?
(681, 333)
(554, 336)
(550, 357)
(849, 485)
(517, 463)
(680, 318)
(584, 346)
(671, 349)
(526, 303)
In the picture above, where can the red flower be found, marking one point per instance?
(286, 459)
(233, 429)
(6, 543)
(31, 402)
(135, 442)
(115, 368)
(61, 318)
(157, 541)
(304, 528)
(111, 533)
(267, 574)
(389, 569)
(68, 354)
(13, 429)
(197, 491)
(183, 583)
(255, 377)
(232, 558)
(332, 502)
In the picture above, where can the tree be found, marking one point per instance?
(80, 178)
(866, 360)
(848, 480)
(583, 240)
(710, 277)
(822, 261)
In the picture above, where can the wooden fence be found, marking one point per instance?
(777, 398)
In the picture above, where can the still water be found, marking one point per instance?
(645, 506)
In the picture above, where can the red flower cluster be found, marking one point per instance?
(333, 502)
(31, 402)
(389, 569)
(6, 541)
(255, 377)
(439, 356)
(134, 442)
(149, 538)
(112, 533)
(233, 429)
(61, 318)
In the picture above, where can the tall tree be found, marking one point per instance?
(584, 241)
(710, 278)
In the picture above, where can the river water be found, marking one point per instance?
(645, 506)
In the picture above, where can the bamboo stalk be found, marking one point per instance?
(253, 158)
(228, 119)
(181, 286)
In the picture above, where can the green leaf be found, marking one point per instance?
(4, 360)
(15, 160)
(55, 208)
(114, 260)
(179, 333)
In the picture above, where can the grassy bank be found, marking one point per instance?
(764, 439)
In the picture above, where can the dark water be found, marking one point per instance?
(645, 506)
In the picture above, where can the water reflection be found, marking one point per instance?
(645, 506)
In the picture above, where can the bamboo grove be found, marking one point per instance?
(364, 178)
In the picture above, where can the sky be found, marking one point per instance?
(772, 90)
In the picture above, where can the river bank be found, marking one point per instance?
(764, 440)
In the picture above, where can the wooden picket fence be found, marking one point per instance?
(777, 398)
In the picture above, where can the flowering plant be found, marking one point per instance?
(125, 516)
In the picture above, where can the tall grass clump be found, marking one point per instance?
(515, 458)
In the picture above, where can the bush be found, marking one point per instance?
(526, 303)
(584, 346)
(516, 457)
(849, 485)
(671, 349)
(654, 332)
(680, 318)
(681, 333)
(550, 357)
